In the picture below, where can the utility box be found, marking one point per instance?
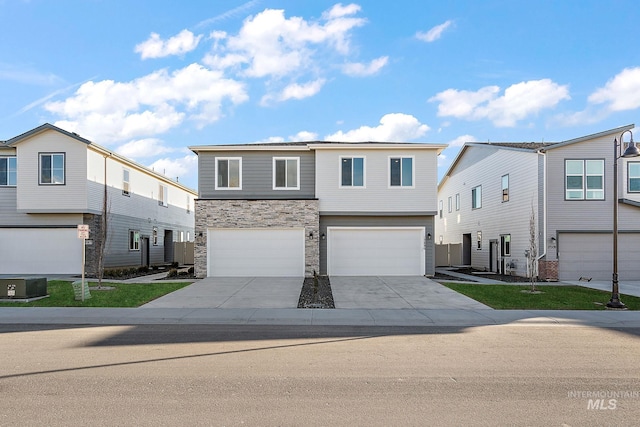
(21, 288)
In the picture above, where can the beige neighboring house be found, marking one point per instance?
(52, 180)
(292, 209)
(486, 197)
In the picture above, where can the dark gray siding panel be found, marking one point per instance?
(117, 248)
(257, 175)
(379, 221)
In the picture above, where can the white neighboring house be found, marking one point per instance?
(486, 197)
(292, 209)
(52, 180)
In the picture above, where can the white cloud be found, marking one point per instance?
(621, 92)
(518, 102)
(304, 136)
(108, 111)
(176, 168)
(434, 33)
(357, 69)
(295, 91)
(338, 11)
(394, 127)
(141, 148)
(459, 141)
(155, 47)
(271, 45)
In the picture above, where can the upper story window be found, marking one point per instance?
(162, 195)
(440, 208)
(457, 201)
(125, 182)
(505, 188)
(633, 174)
(286, 173)
(584, 179)
(401, 171)
(188, 204)
(228, 173)
(352, 171)
(52, 169)
(8, 171)
(450, 207)
(476, 197)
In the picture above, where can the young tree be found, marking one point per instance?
(532, 253)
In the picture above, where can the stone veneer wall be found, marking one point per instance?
(258, 214)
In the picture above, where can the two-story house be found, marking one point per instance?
(52, 180)
(292, 209)
(491, 192)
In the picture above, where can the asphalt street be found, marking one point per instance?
(564, 375)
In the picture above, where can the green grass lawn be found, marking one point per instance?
(552, 297)
(123, 295)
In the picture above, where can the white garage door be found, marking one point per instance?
(375, 251)
(591, 256)
(256, 252)
(40, 251)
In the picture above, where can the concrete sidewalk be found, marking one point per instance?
(316, 317)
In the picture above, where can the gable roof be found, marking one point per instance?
(47, 126)
(528, 146)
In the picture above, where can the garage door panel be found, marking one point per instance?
(591, 255)
(256, 252)
(40, 251)
(375, 251)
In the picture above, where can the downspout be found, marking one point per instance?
(544, 209)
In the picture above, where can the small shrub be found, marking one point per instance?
(143, 269)
(191, 270)
(173, 272)
(175, 264)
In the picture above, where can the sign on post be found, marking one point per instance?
(83, 231)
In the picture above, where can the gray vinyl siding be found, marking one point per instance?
(582, 215)
(257, 175)
(379, 221)
(485, 166)
(9, 216)
(117, 253)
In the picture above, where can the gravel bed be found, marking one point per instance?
(316, 294)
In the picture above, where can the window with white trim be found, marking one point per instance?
(286, 173)
(352, 171)
(584, 179)
(440, 208)
(52, 166)
(457, 201)
(162, 195)
(476, 197)
(134, 240)
(633, 173)
(505, 188)
(155, 236)
(450, 204)
(401, 171)
(8, 171)
(479, 241)
(125, 182)
(228, 173)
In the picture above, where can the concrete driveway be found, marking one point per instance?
(370, 292)
(386, 292)
(234, 292)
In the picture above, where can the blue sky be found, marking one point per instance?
(147, 78)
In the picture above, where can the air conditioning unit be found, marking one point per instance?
(23, 288)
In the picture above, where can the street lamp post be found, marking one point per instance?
(631, 151)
